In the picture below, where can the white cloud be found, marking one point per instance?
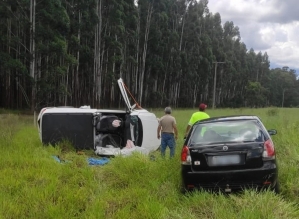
(270, 26)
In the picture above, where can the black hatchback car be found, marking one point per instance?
(229, 154)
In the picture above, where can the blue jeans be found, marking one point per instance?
(167, 139)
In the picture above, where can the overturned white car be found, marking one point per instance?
(107, 132)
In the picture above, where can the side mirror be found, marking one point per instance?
(272, 132)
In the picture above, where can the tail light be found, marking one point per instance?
(185, 156)
(269, 151)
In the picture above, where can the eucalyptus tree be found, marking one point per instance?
(217, 47)
(238, 80)
(283, 87)
(52, 59)
(98, 54)
(231, 38)
(163, 67)
(13, 49)
(145, 11)
(81, 49)
(196, 46)
(32, 53)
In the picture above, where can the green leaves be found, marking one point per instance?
(256, 95)
(9, 63)
(159, 47)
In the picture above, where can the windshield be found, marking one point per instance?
(227, 131)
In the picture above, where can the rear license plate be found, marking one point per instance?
(225, 160)
(228, 190)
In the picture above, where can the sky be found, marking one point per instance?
(270, 26)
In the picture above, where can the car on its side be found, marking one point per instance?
(104, 130)
(229, 154)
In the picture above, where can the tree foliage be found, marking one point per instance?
(164, 50)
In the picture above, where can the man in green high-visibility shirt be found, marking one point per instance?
(197, 116)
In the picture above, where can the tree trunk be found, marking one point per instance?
(32, 53)
(78, 87)
(137, 56)
(97, 56)
(147, 27)
(8, 80)
(66, 84)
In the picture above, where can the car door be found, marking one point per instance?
(148, 120)
(125, 95)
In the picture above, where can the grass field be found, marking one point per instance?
(34, 185)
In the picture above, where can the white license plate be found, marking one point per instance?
(228, 190)
(224, 160)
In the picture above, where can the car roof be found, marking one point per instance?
(79, 110)
(228, 118)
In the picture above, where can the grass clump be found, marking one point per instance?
(273, 112)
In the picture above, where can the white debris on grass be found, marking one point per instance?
(109, 150)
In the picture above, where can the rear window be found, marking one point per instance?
(227, 131)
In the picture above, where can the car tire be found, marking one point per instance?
(183, 190)
(276, 188)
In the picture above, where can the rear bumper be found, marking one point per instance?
(230, 180)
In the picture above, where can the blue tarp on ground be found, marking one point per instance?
(57, 158)
(94, 161)
(91, 161)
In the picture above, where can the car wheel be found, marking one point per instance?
(276, 188)
(183, 190)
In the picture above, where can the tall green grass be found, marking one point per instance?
(34, 185)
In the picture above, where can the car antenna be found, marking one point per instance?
(137, 105)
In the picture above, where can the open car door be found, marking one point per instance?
(125, 95)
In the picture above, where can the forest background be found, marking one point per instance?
(168, 52)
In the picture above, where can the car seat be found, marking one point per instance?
(106, 124)
(108, 131)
